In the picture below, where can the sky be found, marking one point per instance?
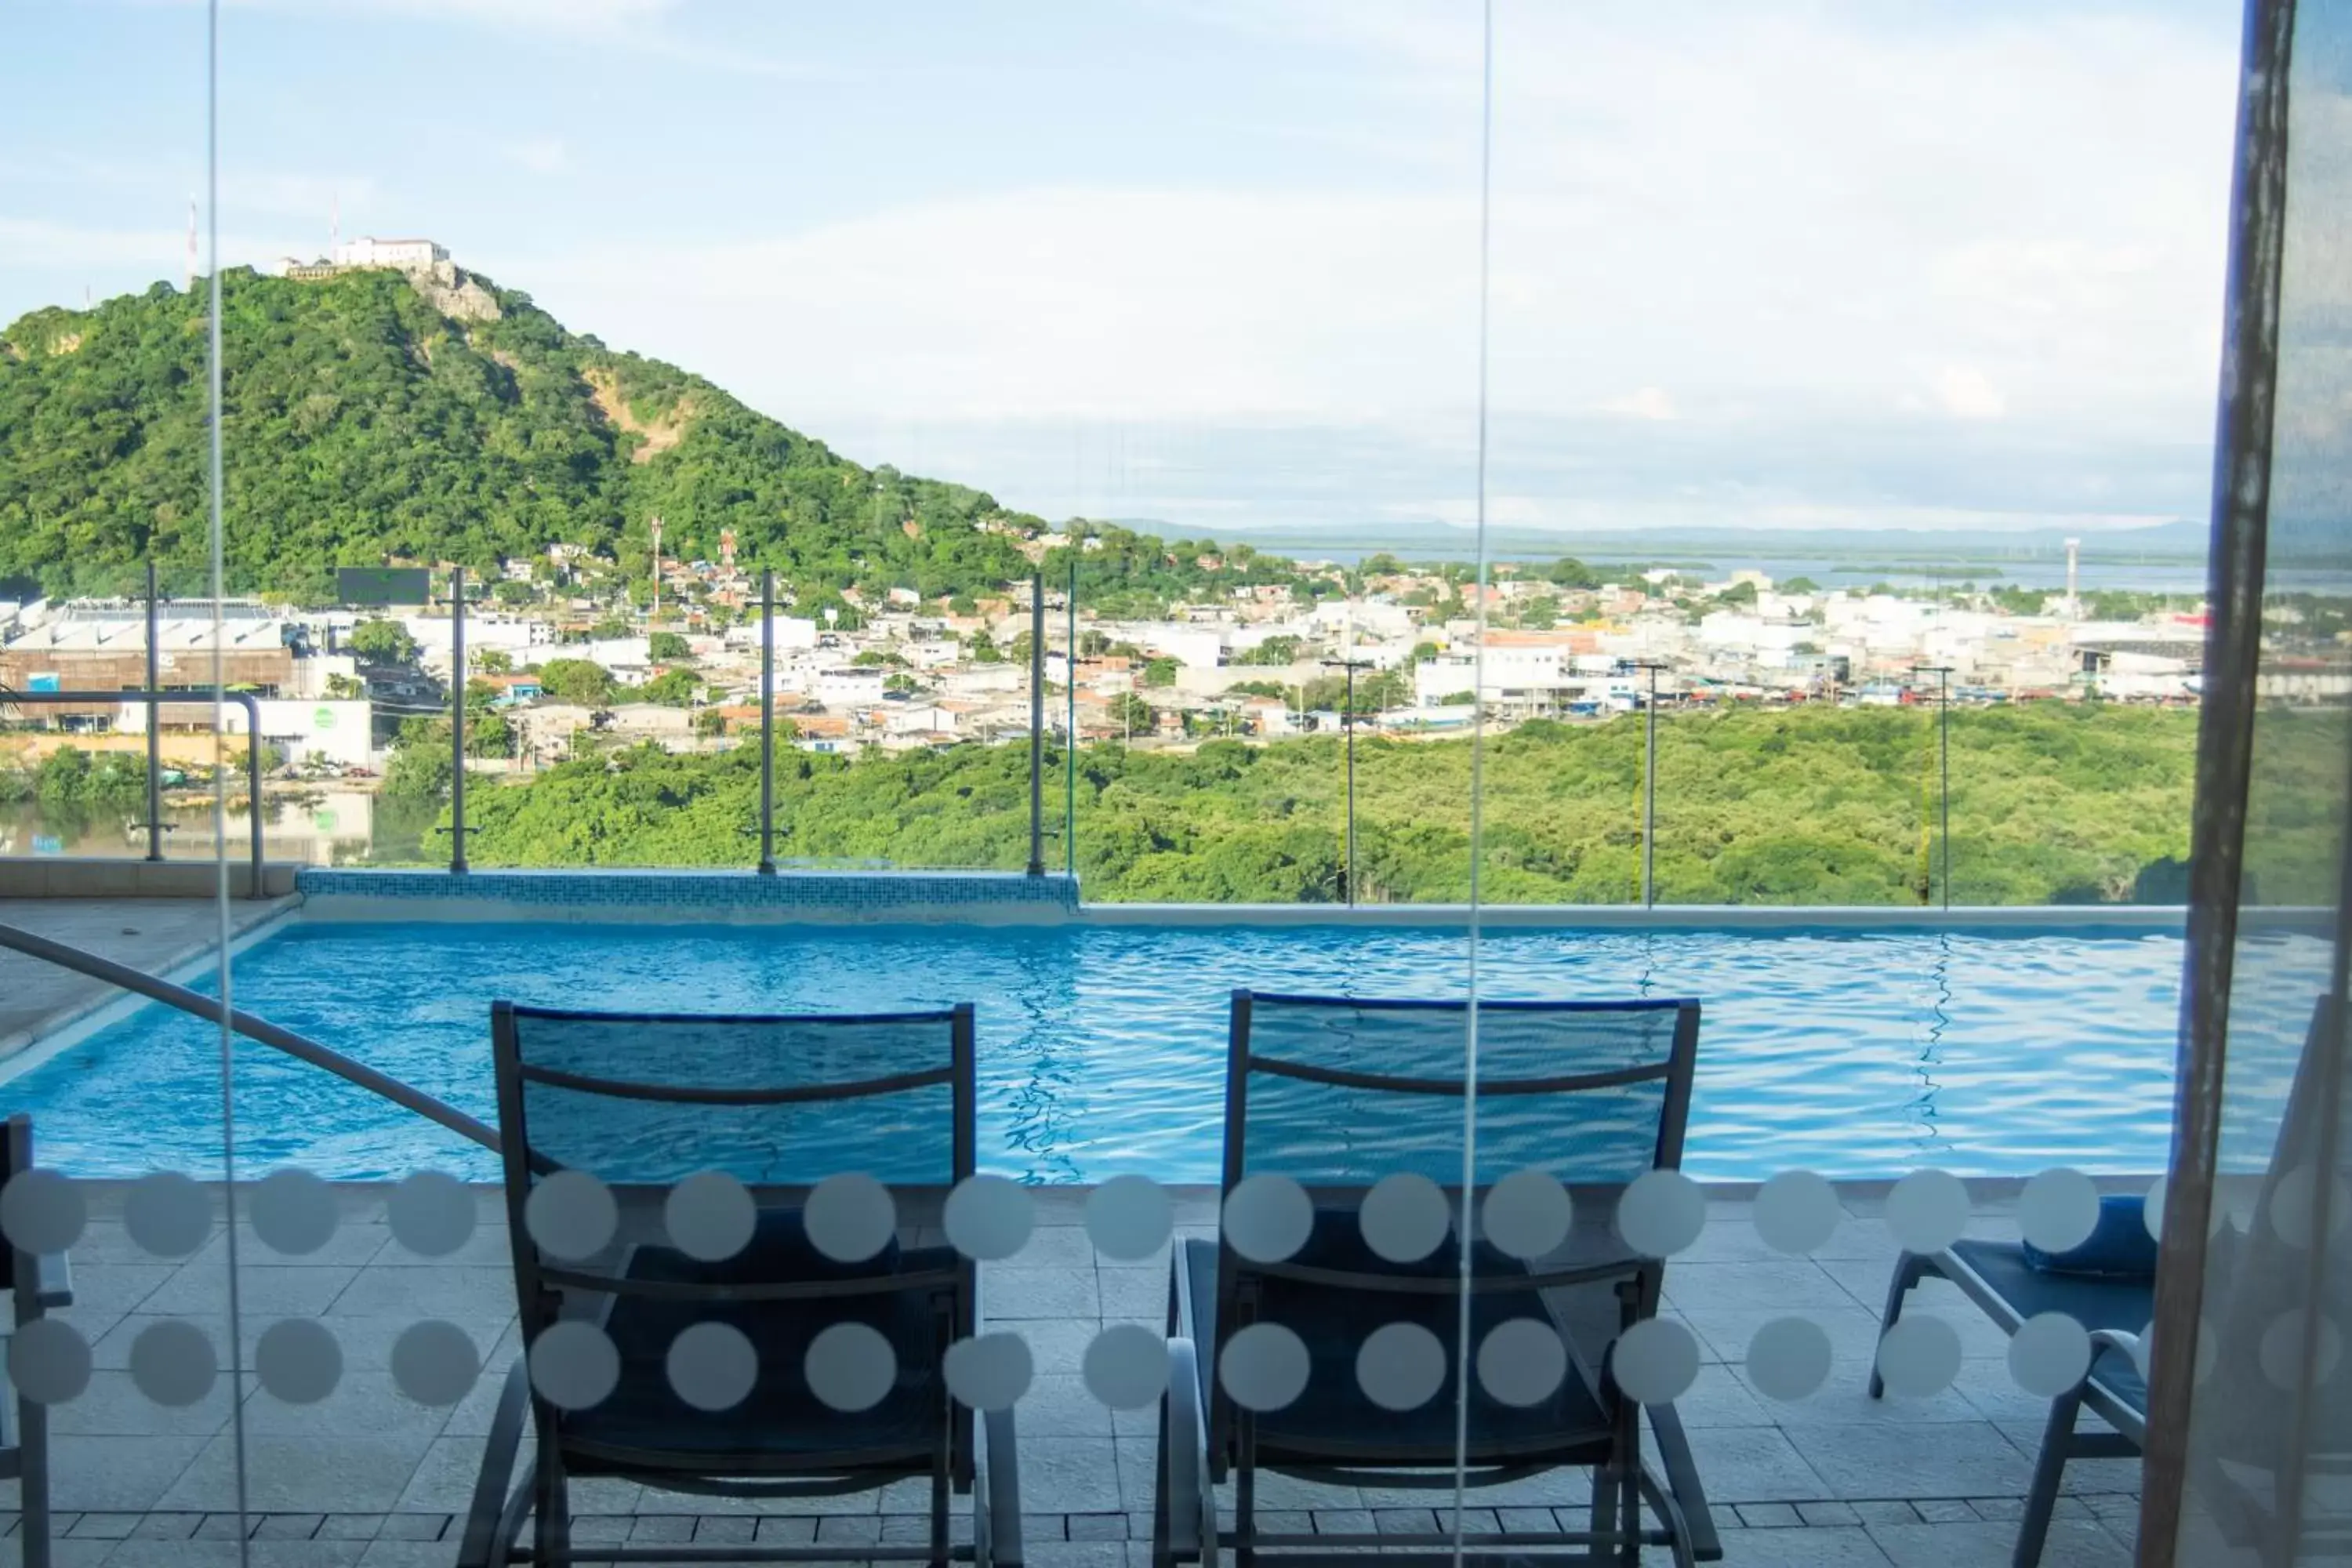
(1747, 263)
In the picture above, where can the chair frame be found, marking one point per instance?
(37, 1282)
(983, 1462)
(1198, 1446)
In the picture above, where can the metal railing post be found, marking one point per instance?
(1347, 731)
(1070, 733)
(768, 722)
(1650, 796)
(155, 730)
(253, 785)
(1943, 674)
(1037, 723)
(457, 718)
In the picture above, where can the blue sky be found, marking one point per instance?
(1754, 263)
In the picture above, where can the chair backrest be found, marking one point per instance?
(15, 1158)
(642, 1101)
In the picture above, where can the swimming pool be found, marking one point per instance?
(1102, 1048)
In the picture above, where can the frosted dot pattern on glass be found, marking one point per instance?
(1267, 1219)
(2058, 1209)
(1263, 1367)
(1126, 1366)
(298, 1360)
(431, 1213)
(1660, 1213)
(2286, 1365)
(172, 1362)
(713, 1366)
(851, 1367)
(292, 1211)
(989, 1218)
(1521, 1362)
(1400, 1366)
(1526, 1214)
(1919, 1356)
(166, 1213)
(573, 1365)
(850, 1217)
(1656, 1361)
(434, 1363)
(2294, 1204)
(570, 1215)
(1927, 1210)
(42, 1210)
(1404, 1217)
(2049, 1354)
(990, 1371)
(1128, 1219)
(2152, 1213)
(710, 1216)
(1789, 1358)
(1796, 1212)
(48, 1362)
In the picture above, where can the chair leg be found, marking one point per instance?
(1602, 1522)
(1909, 1269)
(552, 1534)
(1679, 1539)
(33, 1482)
(2049, 1465)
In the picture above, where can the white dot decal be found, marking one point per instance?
(1400, 1366)
(49, 1360)
(431, 1213)
(1927, 1210)
(1919, 1356)
(293, 1212)
(2294, 1205)
(1789, 1358)
(167, 1213)
(1656, 1361)
(1796, 1212)
(1527, 1213)
(989, 1218)
(710, 1216)
(713, 1366)
(851, 1367)
(1126, 1366)
(42, 1210)
(298, 1360)
(990, 1371)
(1521, 1362)
(2152, 1213)
(571, 1215)
(2049, 1354)
(1267, 1219)
(573, 1365)
(1264, 1366)
(1405, 1216)
(850, 1217)
(2282, 1356)
(1128, 1219)
(1660, 1213)
(435, 1363)
(172, 1362)
(2058, 1209)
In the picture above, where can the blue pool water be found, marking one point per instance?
(1102, 1048)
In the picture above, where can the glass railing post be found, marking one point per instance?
(154, 729)
(252, 788)
(1650, 796)
(1070, 730)
(1037, 723)
(457, 718)
(768, 722)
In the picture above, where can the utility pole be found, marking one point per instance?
(1943, 674)
(1649, 779)
(1348, 730)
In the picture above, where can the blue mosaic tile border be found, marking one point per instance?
(817, 892)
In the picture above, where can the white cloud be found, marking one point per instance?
(540, 155)
(1964, 393)
(1648, 403)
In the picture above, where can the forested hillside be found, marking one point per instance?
(2049, 803)
(362, 423)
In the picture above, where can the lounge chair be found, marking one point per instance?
(1337, 1094)
(642, 1102)
(36, 1283)
(2115, 1304)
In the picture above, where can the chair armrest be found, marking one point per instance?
(483, 1540)
(2120, 1342)
(1187, 1461)
(52, 1280)
(999, 1481)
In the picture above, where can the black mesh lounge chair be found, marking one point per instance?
(36, 1283)
(642, 1103)
(1338, 1094)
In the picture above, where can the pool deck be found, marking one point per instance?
(157, 935)
(367, 1476)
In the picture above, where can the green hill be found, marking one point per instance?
(362, 422)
